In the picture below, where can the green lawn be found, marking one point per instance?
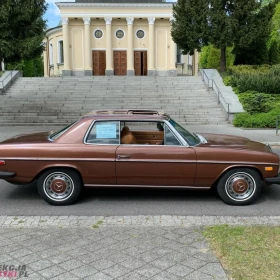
(251, 253)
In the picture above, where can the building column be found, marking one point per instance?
(109, 68)
(65, 31)
(151, 50)
(173, 54)
(130, 53)
(88, 60)
(46, 60)
(195, 63)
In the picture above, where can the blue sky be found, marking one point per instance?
(52, 15)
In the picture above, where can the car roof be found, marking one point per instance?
(127, 114)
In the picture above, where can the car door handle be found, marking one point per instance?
(123, 156)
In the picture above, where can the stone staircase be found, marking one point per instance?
(59, 101)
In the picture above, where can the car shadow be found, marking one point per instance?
(144, 194)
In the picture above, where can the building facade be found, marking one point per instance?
(106, 37)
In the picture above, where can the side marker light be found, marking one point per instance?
(269, 168)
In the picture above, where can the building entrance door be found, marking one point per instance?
(98, 63)
(140, 63)
(120, 63)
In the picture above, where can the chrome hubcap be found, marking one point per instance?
(58, 186)
(240, 186)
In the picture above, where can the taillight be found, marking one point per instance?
(2, 162)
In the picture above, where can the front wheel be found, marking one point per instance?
(239, 186)
(59, 187)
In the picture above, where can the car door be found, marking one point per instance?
(101, 143)
(169, 164)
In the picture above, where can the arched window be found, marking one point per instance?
(51, 54)
(60, 55)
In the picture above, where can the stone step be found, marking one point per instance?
(59, 101)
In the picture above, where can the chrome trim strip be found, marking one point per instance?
(62, 159)
(236, 162)
(148, 186)
(141, 160)
(173, 130)
(155, 160)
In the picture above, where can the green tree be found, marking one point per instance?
(255, 48)
(274, 56)
(22, 29)
(190, 25)
(223, 23)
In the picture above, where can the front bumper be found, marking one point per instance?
(273, 180)
(4, 175)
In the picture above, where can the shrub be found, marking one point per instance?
(263, 78)
(256, 102)
(261, 120)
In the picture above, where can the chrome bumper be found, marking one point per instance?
(273, 180)
(4, 175)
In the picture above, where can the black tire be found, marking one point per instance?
(59, 186)
(240, 186)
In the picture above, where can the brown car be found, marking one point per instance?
(137, 148)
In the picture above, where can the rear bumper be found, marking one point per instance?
(273, 180)
(4, 175)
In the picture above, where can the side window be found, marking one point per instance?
(106, 132)
(169, 138)
(142, 133)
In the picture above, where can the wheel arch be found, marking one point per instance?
(214, 185)
(72, 168)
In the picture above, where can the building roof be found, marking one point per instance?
(121, 1)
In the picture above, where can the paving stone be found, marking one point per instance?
(102, 264)
(193, 263)
(163, 263)
(100, 276)
(133, 263)
(66, 276)
(29, 258)
(59, 258)
(132, 276)
(71, 264)
(88, 258)
(51, 272)
(40, 264)
(167, 276)
(84, 271)
(148, 270)
(180, 270)
(116, 270)
(213, 269)
(34, 276)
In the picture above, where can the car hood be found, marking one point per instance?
(38, 137)
(230, 141)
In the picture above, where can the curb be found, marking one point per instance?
(146, 221)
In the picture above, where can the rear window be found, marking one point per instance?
(58, 133)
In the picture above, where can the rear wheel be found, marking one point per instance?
(239, 186)
(59, 186)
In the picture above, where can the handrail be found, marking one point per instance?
(11, 74)
(220, 96)
(277, 124)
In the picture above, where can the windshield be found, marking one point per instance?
(58, 133)
(189, 137)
